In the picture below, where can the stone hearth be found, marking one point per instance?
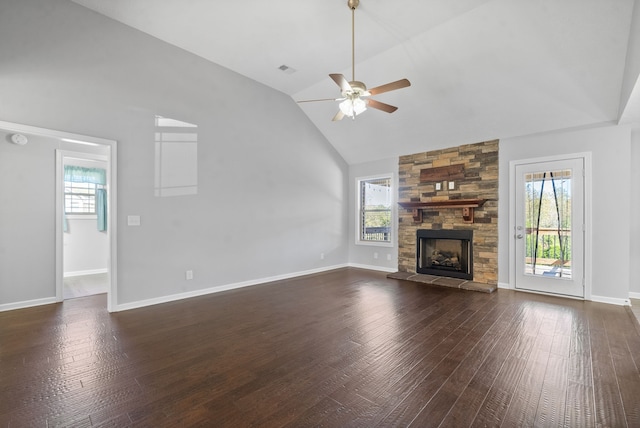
(444, 281)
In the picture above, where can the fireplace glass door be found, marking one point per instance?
(445, 253)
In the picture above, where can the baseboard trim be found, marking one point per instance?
(85, 272)
(599, 299)
(505, 286)
(27, 304)
(370, 267)
(610, 300)
(633, 295)
(220, 288)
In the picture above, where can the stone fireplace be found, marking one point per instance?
(452, 192)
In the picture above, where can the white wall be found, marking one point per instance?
(364, 255)
(85, 248)
(271, 190)
(611, 193)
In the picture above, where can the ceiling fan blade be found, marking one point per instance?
(339, 115)
(398, 84)
(341, 81)
(320, 99)
(381, 106)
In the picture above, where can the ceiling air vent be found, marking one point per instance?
(287, 69)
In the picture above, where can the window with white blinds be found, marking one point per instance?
(80, 198)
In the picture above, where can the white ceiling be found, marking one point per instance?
(480, 69)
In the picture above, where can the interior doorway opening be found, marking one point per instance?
(85, 243)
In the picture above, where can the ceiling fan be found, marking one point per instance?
(353, 92)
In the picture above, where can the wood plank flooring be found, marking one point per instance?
(347, 348)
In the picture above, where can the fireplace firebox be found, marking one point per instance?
(445, 253)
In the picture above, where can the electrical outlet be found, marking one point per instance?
(188, 274)
(388, 256)
(452, 185)
(438, 186)
(321, 256)
(375, 255)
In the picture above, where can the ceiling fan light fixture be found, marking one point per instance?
(353, 106)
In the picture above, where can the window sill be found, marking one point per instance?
(81, 217)
(374, 243)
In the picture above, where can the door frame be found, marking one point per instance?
(587, 253)
(112, 199)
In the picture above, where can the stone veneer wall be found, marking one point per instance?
(480, 182)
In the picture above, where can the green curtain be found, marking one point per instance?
(101, 209)
(80, 174)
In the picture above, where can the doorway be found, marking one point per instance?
(549, 227)
(85, 243)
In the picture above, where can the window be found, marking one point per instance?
(85, 193)
(80, 198)
(374, 210)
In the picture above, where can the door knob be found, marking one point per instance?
(519, 236)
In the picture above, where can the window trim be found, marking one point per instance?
(393, 228)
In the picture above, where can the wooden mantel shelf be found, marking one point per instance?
(467, 206)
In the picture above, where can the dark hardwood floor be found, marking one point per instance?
(348, 348)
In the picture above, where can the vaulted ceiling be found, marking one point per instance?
(479, 69)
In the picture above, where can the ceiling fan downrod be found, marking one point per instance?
(353, 4)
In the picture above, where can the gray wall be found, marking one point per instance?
(27, 258)
(27, 227)
(634, 253)
(271, 190)
(632, 65)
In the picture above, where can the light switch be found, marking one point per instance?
(452, 185)
(438, 186)
(133, 220)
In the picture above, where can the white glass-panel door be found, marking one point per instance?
(549, 232)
